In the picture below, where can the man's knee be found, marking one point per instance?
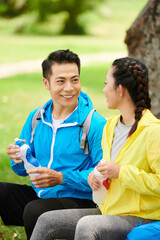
(30, 215)
(31, 211)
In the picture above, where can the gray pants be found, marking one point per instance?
(82, 224)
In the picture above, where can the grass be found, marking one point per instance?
(11, 232)
(22, 93)
(18, 96)
(106, 26)
(20, 48)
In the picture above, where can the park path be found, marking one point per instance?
(7, 70)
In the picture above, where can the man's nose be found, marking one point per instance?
(68, 86)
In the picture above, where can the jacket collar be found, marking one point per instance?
(78, 115)
(146, 119)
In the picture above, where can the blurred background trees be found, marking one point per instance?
(29, 31)
(44, 9)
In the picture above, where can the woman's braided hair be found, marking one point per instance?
(133, 74)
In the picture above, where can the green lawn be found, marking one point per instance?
(20, 48)
(106, 27)
(21, 94)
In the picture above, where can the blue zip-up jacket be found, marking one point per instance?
(60, 149)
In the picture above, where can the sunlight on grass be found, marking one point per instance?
(11, 232)
(20, 48)
(106, 26)
(21, 94)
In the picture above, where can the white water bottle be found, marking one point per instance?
(26, 155)
(99, 196)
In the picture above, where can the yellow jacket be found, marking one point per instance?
(137, 190)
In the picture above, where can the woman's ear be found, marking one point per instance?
(46, 83)
(121, 90)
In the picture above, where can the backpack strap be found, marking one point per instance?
(85, 130)
(35, 120)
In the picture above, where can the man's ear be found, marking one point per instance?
(46, 83)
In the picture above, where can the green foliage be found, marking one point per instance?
(22, 93)
(12, 8)
(43, 8)
(73, 9)
(109, 19)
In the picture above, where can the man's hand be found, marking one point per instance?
(12, 151)
(47, 177)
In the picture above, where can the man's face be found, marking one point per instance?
(64, 85)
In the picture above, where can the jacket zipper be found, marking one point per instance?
(54, 137)
(122, 149)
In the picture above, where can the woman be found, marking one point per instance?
(131, 149)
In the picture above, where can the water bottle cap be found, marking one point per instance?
(30, 159)
(18, 142)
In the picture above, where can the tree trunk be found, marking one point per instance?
(143, 42)
(72, 26)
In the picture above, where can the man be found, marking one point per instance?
(62, 180)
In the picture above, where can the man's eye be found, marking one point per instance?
(75, 80)
(60, 81)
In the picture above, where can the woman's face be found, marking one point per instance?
(111, 91)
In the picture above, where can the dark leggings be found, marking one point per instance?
(20, 206)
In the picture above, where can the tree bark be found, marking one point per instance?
(143, 42)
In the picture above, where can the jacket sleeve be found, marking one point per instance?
(143, 182)
(78, 179)
(25, 135)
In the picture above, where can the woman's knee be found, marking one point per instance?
(85, 228)
(43, 221)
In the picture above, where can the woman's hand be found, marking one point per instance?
(109, 169)
(93, 182)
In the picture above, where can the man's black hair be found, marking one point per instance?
(60, 57)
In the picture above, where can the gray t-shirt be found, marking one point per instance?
(120, 137)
